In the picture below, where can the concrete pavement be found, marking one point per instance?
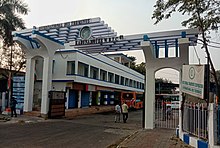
(156, 138)
(140, 138)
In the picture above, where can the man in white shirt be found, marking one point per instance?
(117, 112)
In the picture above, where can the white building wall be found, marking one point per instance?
(58, 86)
(60, 65)
(98, 61)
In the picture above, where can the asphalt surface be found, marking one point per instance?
(95, 131)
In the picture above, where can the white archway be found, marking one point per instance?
(154, 64)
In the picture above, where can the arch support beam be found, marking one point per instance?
(46, 50)
(149, 99)
(149, 86)
(153, 64)
(29, 85)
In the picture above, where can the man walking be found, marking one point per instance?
(117, 112)
(125, 111)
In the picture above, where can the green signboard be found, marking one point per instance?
(193, 77)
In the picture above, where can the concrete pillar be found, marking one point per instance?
(29, 84)
(76, 67)
(212, 125)
(149, 99)
(67, 100)
(184, 49)
(79, 98)
(180, 102)
(184, 57)
(89, 70)
(150, 85)
(99, 71)
(47, 84)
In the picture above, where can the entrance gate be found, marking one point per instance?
(166, 115)
(44, 41)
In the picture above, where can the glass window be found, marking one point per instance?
(117, 79)
(70, 68)
(83, 69)
(103, 75)
(126, 81)
(122, 80)
(135, 84)
(94, 72)
(131, 83)
(111, 77)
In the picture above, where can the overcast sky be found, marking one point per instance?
(126, 17)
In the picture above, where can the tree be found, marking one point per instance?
(15, 61)
(10, 20)
(12, 57)
(133, 63)
(141, 68)
(203, 14)
(164, 86)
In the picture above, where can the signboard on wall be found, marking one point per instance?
(193, 78)
(18, 90)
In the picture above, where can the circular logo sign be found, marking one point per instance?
(191, 73)
(85, 32)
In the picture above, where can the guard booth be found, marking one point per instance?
(56, 104)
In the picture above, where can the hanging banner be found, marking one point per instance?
(193, 78)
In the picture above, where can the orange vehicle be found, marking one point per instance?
(134, 100)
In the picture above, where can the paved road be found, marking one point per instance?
(95, 131)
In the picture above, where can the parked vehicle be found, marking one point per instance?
(171, 100)
(134, 100)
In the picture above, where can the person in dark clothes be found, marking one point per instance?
(13, 107)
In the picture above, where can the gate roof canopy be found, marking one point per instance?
(103, 38)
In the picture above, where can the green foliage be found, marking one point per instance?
(203, 14)
(141, 68)
(133, 63)
(162, 80)
(132, 58)
(10, 20)
(12, 58)
(11, 55)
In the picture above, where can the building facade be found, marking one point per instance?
(87, 79)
